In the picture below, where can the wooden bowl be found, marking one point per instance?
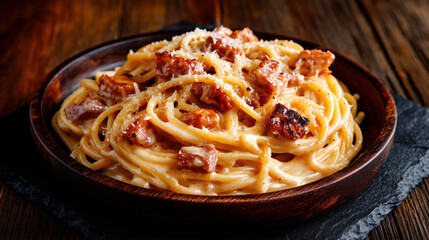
(294, 204)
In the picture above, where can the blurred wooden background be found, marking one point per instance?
(390, 38)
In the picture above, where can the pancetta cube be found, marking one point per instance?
(115, 88)
(314, 62)
(201, 118)
(245, 35)
(226, 47)
(87, 108)
(268, 76)
(213, 95)
(203, 158)
(168, 66)
(140, 132)
(285, 122)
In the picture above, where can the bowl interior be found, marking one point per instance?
(378, 127)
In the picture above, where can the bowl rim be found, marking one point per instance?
(41, 132)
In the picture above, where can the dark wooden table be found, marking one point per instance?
(390, 38)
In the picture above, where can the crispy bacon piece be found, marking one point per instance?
(140, 132)
(314, 62)
(168, 65)
(269, 75)
(245, 35)
(115, 87)
(225, 47)
(87, 108)
(285, 122)
(203, 158)
(201, 118)
(213, 95)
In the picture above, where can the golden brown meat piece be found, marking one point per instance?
(213, 95)
(116, 87)
(270, 74)
(245, 35)
(203, 158)
(168, 66)
(287, 123)
(87, 108)
(268, 77)
(140, 132)
(314, 62)
(225, 47)
(200, 118)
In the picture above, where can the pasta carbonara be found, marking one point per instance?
(214, 113)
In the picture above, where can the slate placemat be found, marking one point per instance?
(405, 167)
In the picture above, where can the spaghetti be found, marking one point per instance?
(214, 113)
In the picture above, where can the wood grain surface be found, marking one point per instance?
(390, 38)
